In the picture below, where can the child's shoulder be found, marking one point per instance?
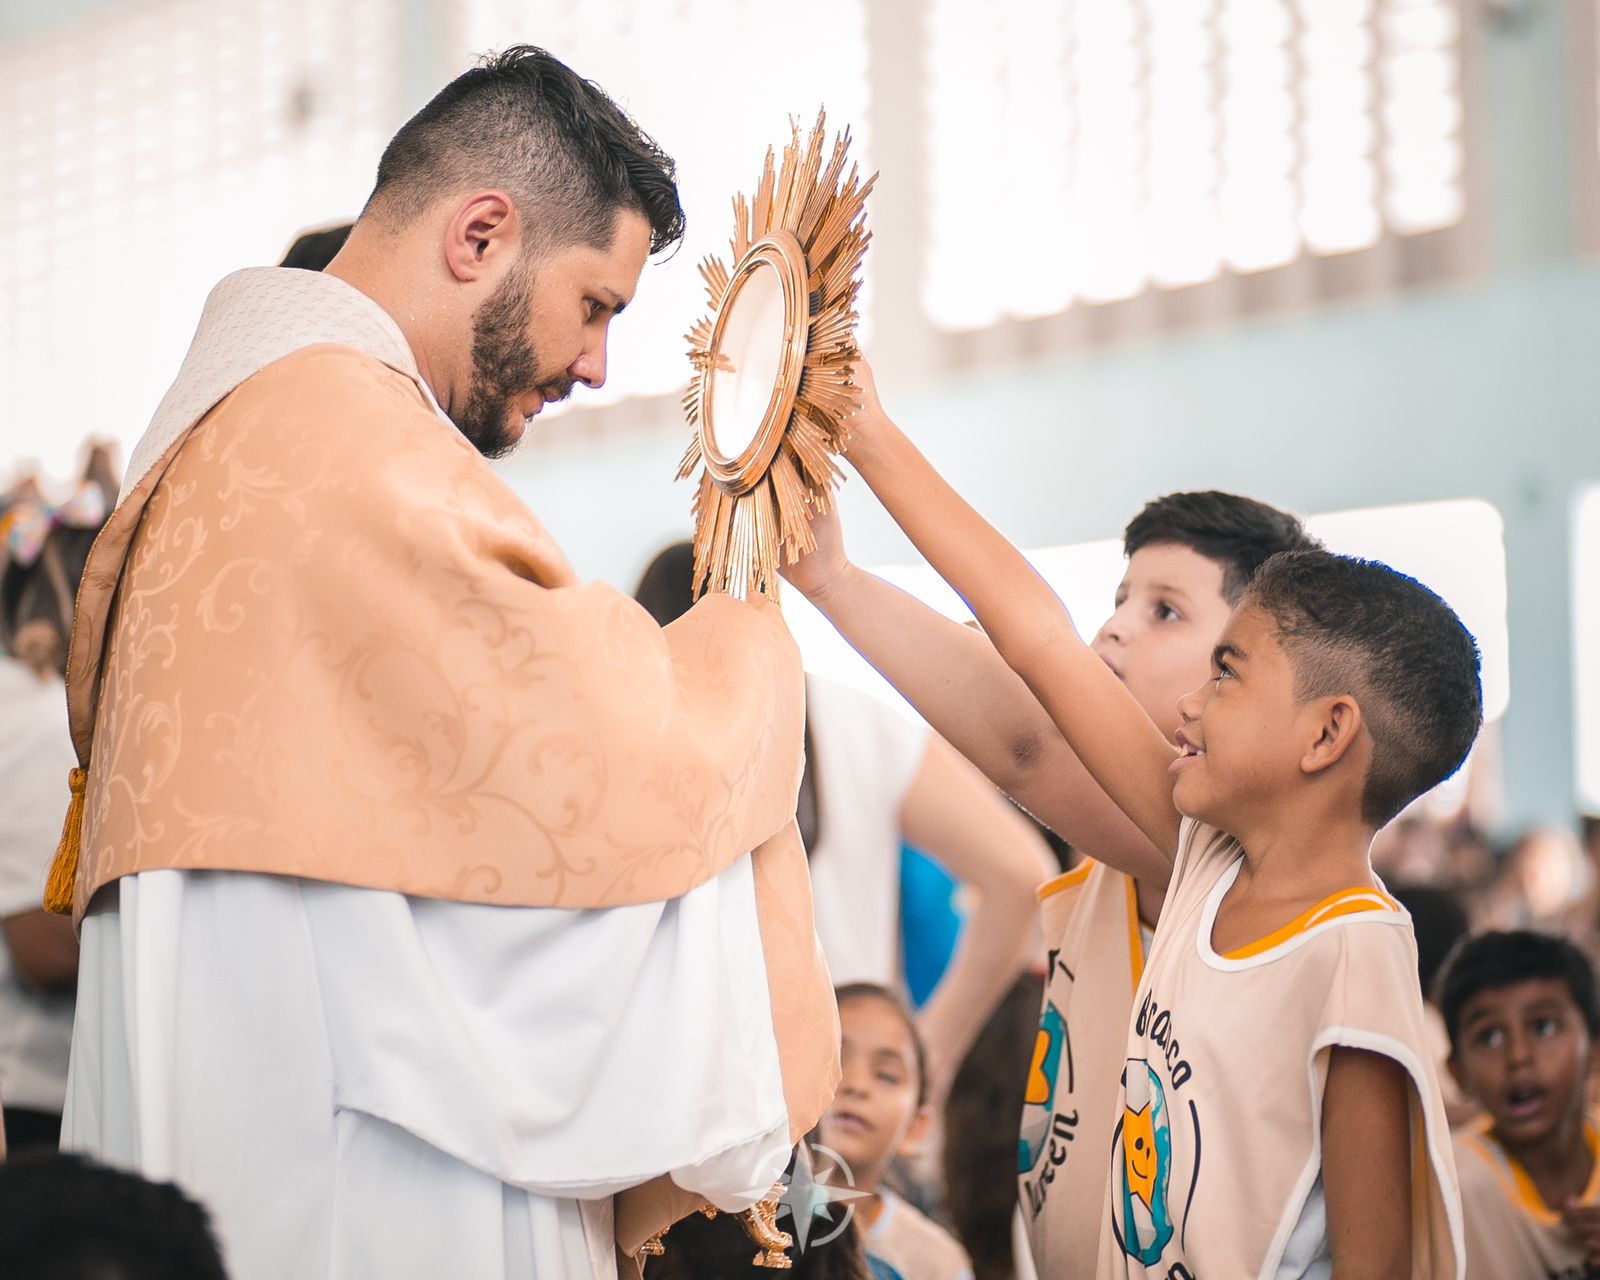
(1495, 1189)
(915, 1244)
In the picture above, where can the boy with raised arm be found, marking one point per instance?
(1277, 1111)
(1190, 557)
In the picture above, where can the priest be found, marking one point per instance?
(441, 915)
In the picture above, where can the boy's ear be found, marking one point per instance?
(1455, 1073)
(917, 1130)
(1335, 730)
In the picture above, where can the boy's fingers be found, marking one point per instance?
(1583, 1220)
(861, 375)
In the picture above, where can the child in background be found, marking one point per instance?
(1278, 1013)
(1522, 1013)
(880, 1111)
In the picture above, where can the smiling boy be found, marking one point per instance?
(1523, 1014)
(1190, 557)
(1276, 1062)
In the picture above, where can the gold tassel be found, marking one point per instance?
(60, 889)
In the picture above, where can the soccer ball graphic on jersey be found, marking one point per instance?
(1041, 1092)
(1144, 1141)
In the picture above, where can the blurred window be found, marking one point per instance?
(149, 150)
(1090, 151)
(1586, 644)
(1583, 61)
(715, 82)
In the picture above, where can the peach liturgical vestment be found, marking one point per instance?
(441, 915)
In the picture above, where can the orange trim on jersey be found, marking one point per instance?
(1135, 936)
(1347, 902)
(1070, 880)
(1515, 1181)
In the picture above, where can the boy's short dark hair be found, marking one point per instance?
(524, 121)
(63, 1217)
(1239, 534)
(1493, 960)
(1359, 627)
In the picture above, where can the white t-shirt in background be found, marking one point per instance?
(35, 757)
(865, 756)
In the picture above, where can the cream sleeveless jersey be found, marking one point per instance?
(1510, 1230)
(1090, 918)
(1216, 1163)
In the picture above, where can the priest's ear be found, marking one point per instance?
(483, 238)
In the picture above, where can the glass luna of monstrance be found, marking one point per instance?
(771, 394)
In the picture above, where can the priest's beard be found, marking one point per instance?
(505, 367)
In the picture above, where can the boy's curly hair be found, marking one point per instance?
(1358, 627)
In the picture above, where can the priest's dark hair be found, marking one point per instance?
(524, 122)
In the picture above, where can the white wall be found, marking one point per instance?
(1490, 389)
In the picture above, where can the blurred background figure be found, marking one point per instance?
(1545, 882)
(63, 1217)
(313, 250)
(876, 781)
(43, 548)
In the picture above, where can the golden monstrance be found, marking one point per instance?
(771, 395)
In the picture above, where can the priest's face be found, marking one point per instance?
(543, 330)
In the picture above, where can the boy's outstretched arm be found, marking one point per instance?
(1101, 721)
(961, 686)
(1366, 1165)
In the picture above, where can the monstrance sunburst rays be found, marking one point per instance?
(741, 529)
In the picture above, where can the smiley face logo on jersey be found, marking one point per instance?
(1144, 1139)
(1039, 1099)
(1139, 1154)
